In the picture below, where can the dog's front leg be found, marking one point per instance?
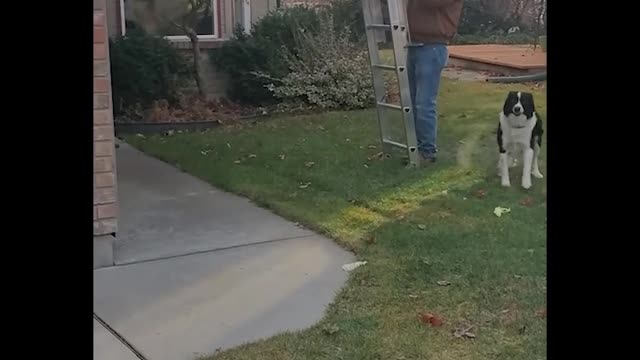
(526, 169)
(503, 164)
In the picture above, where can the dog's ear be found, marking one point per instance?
(510, 102)
(526, 99)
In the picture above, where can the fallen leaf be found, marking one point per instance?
(412, 296)
(141, 136)
(371, 146)
(528, 201)
(321, 127)
(282, 156)
(517, 276)
(443, 283)
(432, 319)
(461, 142)
(309, 163)
(331, 329)
(426, 261)
(379, 155)
(542, 313)
(347, 140)
(229, 145)
(252, 156)
(366, 166)
(237, 162)
(353, 266)
(304, 186)
(498, 211)
(480, 193)
(464, 332)
(422, 227)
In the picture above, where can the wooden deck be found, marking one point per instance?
(499, 59)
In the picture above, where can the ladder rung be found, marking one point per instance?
(384, 67)
(393, 143)
(390, 106)
(379, 26)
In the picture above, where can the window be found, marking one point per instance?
(157, 17)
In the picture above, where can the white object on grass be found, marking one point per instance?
(353, 266)
(500, 210)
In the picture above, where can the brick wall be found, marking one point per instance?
(104, 180)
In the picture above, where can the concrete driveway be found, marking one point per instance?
(198, 269)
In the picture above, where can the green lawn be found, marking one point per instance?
(415, 227)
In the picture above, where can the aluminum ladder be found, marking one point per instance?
(376, 31)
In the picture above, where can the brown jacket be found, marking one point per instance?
(433, 21)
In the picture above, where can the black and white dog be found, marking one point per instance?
(519, 132)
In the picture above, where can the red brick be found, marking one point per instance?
(101, 85)
(98, 18)
(100, 68)
(95, 213)
(107, 211)
(102, 164)
(103, 227)
(102, 117)
(99, 34)
(103, 148)
(98, 4)
(104, 132)
(100, 51)
(104, 195)
(100, 101)
(105, 180)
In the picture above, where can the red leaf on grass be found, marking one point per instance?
(528, 201)
(480, 193)
(433, 320)
(542, 313)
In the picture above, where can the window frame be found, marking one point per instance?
(181, 38)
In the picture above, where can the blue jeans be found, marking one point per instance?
(424, 66)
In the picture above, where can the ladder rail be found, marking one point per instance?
(372, 11)
(374, 59)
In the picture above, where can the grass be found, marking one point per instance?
(414, 227)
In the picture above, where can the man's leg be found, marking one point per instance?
(428, 62)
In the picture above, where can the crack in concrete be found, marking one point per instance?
(119, 337)
(134, 262)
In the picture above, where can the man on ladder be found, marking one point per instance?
(432, 24)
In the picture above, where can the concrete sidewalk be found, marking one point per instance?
(199, 269)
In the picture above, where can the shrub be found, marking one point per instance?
(259, 51)
(145, 68)
(348, 14)
(328, 71)
(477, 20)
